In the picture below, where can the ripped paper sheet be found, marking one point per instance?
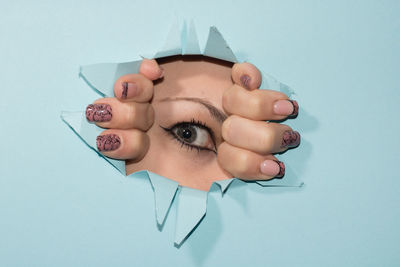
(192, 203)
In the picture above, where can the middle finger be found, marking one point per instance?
(259, 136)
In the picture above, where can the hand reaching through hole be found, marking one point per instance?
(249, 141)
(128, 115)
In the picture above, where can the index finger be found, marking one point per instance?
(151, 70)
(138, 86)
(246, 75)
(133, 87)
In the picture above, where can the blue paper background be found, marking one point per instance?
(61, 205)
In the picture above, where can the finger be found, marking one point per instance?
(247, 165)
(258, 104)
(151, 70)
(133, 87)
(123, 144)
(246, 75)
(258, 136)
(112, 113)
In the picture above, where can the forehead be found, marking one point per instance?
(193, 76)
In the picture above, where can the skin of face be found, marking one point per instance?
(187, 81)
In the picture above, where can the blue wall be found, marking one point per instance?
(62, 205)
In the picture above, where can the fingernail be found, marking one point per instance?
(245, 80)
(98, 112)
(295, 108)
(162, 72)
(274, 168)
(129, 90)
(108, 142)
(290, 139)
(286, 107)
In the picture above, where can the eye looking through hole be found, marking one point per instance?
(194, 135)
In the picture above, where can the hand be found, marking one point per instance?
(249, 141)
(128, 115)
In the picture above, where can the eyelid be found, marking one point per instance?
(216, 113)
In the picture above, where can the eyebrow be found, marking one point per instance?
(216, 113)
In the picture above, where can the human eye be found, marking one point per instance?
(193, 135)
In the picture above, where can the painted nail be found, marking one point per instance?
(245, 80)
(98, 112)
(283, 107)
(295, 108)
(281, 169)
(290, 139)
(272, 168)
(129, 90)
(108, 142)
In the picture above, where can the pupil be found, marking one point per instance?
(187, 133)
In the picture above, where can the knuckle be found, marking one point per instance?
(140, 144)
(150, 116)
(225, 129)
(148, 92)
(257, 106)
(268, 138)
(222, 149)
(137, 139)
(224, 153)
(222, 156)
(131, 113)
(145, 89)
(143, 139)
(146, 83)
(235, 161)
(242, 163)
(229, 127)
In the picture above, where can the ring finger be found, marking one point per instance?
(123, 144)
(247, 165)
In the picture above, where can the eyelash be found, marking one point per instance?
(194, 122)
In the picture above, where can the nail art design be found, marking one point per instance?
(281, 169)
(98, 112)
(295, 108)
(290, 139)
(124, 94)
(245, 80)
(108, 142)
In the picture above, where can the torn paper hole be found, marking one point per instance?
(192, 203)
